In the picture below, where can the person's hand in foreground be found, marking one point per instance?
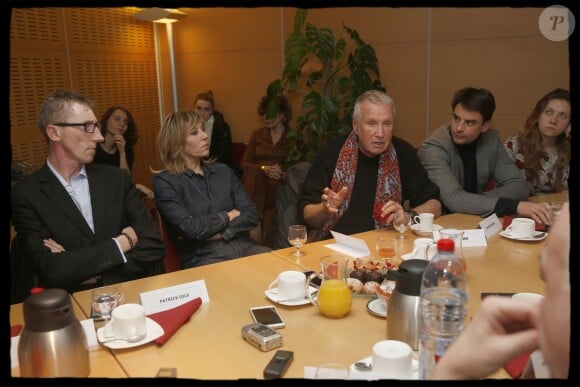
(502, 329)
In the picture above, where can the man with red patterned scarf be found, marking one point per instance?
(363, 180)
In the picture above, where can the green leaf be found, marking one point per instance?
(347, 70)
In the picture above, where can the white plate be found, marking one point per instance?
(272, 295)
(385, 376)
(154, 331)
(416, 230)
(377, 307)
(538, 236)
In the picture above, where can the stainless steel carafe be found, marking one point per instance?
(53, 342)
(403, 305)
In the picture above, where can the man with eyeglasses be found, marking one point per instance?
(78, 225)
(468, 161)
(367, 178)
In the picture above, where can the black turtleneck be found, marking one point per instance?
(467, 153)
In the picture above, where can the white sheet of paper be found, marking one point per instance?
(491, 225)
(471, 238)
(310, 373)
(541, 370)
(351, 246)
(90, 332)
(166, 298)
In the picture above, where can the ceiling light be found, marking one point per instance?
(160, 15)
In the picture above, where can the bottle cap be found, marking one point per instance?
(445, 245)
(36, 290)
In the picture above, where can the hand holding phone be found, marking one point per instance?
(267, 315)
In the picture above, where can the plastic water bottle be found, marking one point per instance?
(443, 306)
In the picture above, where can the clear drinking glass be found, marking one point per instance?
(103, 301)
(297, 237)
(385, 245)
(400, 223)
(555, 207)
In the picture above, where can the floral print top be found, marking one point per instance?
(547, 174)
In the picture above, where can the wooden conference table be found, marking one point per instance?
(210, 346)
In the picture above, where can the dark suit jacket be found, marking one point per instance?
(42, 208)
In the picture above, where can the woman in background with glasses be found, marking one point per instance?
(120, 132)
(541, 149)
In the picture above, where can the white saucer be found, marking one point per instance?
(416, 230)
(372, 374)
(272, 295)
(154, 331)
(538, 236)
(377, 307)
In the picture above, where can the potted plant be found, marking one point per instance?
(330, 74)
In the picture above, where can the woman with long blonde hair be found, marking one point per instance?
(203, 204)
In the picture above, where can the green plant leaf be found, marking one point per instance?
(334, 74)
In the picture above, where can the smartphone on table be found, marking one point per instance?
(267, 315)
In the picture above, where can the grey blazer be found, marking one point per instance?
(442, 161)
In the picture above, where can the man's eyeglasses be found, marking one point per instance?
(89, 126)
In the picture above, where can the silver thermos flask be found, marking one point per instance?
(403, 305)
(53, 342)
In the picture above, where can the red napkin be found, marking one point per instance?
(507, 220)
(516, 366)
(15, 330)
(172, 319)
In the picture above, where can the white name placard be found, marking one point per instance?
(166, 298)
(351, 246)
(490, 225)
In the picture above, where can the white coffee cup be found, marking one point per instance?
(425, 221)
(128, 322)
(522, 228)
(291, 284)
(393, 358)
(424, 248)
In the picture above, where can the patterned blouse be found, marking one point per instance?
(546, 175)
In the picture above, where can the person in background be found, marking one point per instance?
(541, 148)
(120, 133)
(462, 157)
(362, 180)
(203, 204)
(264, 160)
(79, 224)
(504, 328)
(217, 130)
